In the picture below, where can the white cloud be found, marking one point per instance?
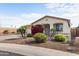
(67, 10)
(32, 16)
(10, 20)
(64, 8)
(21, 20)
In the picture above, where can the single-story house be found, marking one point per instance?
(61, 25)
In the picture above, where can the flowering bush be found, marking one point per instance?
(37, 29)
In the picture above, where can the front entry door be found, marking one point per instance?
(47, 29)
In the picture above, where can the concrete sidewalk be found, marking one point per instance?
(32, 50)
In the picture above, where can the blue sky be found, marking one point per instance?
(26, 13)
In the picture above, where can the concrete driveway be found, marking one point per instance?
(5, 37)
(32, 50)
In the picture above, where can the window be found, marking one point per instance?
(58, 26)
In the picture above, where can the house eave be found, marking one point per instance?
(68, 20)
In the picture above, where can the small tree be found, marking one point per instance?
(53, 31)
(22, 31)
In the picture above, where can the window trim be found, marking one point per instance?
(58, 24)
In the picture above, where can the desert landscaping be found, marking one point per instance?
(39, 29)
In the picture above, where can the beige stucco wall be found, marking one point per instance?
(51, 21)
(28, 30)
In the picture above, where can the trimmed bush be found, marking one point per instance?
(40, 37)
(60, 38)
(29, 35)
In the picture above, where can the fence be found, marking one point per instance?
(75, 32)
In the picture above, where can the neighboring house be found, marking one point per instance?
(10, 30)
(28, 29)
(61, 25)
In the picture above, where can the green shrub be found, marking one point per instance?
(29, 35)
(40, 37)
(60, 38)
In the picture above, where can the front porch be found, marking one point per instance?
(42, 28)
(48, 29)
